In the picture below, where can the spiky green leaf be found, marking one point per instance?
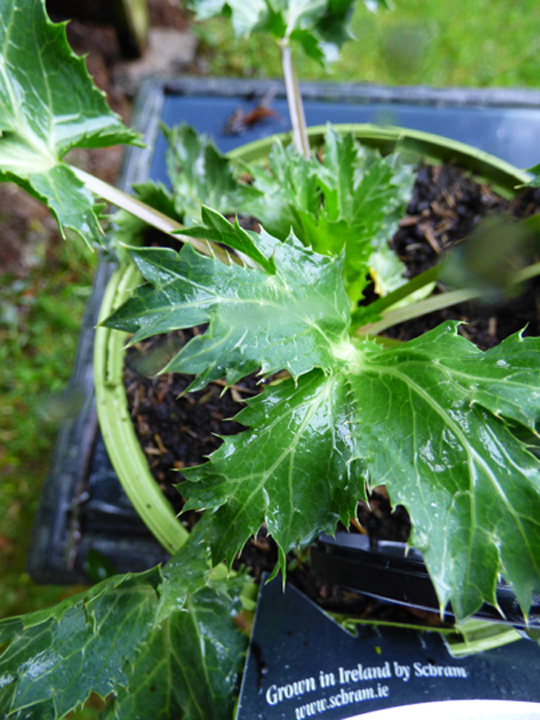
(187, 572)
(189, 664)
(432, 420)
(201, 175)
(352, 200)
(289, 319)
(48, 105)
(434, 423)
(425, 418)
(216, 228)
(162, 640)
(294, 468)
(56, 658)
(289, 190)
(368, 195)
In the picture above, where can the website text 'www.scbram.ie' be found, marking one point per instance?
(340, 699)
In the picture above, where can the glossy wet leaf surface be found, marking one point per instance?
(289, 319)
(189, 665)
(56, 658)
(294, 469)
(430, 426)
(350, 198)
(48, 105)
(163, 640)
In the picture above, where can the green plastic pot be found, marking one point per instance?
(123, 447)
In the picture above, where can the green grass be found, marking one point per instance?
(40, 316)
(481, 43)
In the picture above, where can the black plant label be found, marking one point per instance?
(302, 664)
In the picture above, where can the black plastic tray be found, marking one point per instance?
(83, 506)
(393, 572)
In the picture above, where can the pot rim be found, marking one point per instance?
(123, 447)
(502, 175)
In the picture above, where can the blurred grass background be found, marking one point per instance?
(479, 43)
(484, 43)
(40, 316)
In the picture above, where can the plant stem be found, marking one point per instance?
(527, 273)
(153, 217)
(294, 100)
(432, 304)
(437, 302)
(383, 303)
